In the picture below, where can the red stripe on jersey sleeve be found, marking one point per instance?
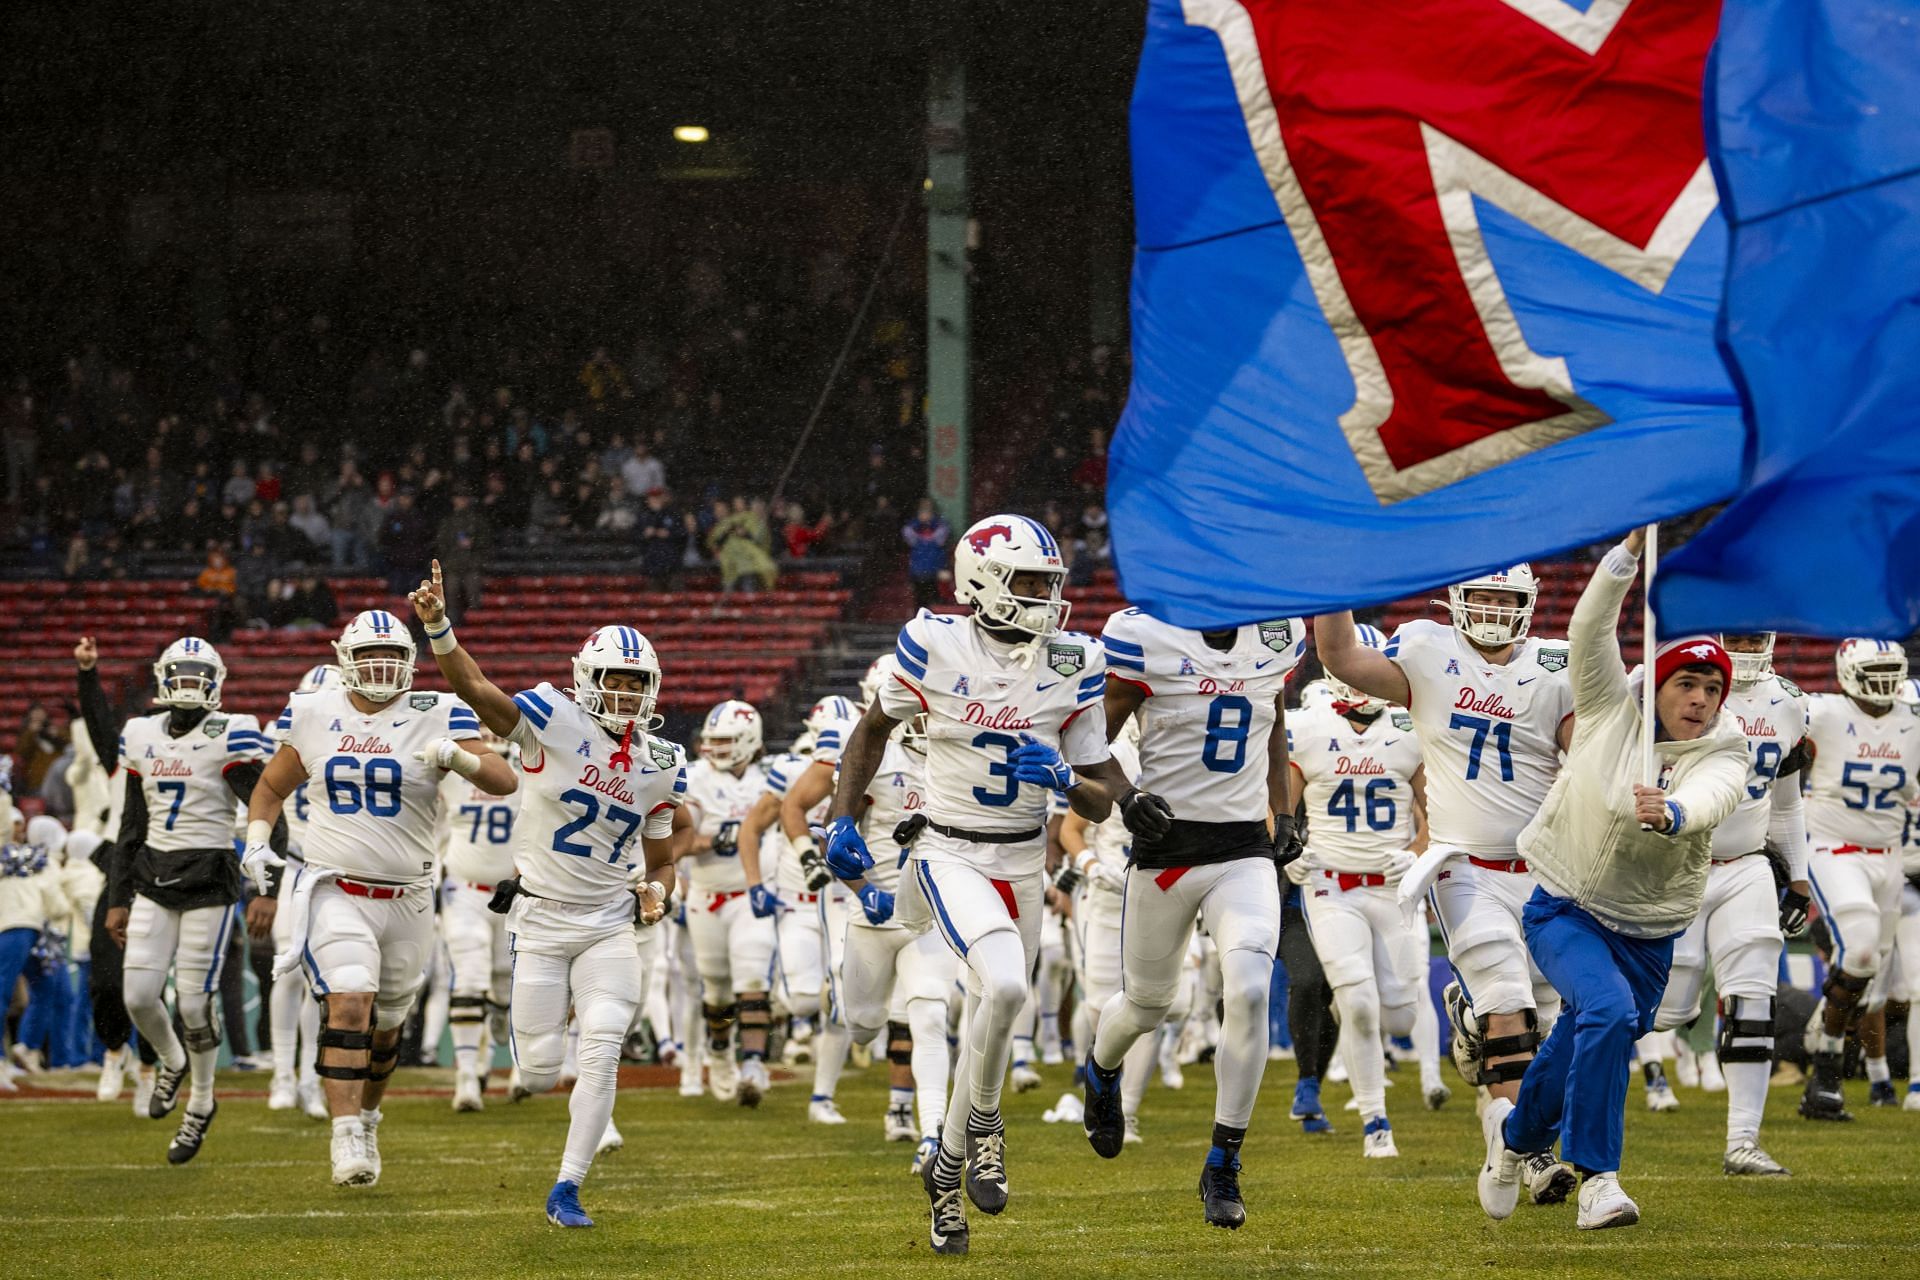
(1141, 685)
(662, 807)
(915, 692)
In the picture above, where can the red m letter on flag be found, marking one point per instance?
(1377, 124)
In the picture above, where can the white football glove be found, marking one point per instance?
(445, 753)
(1102, 876)
(259, 861)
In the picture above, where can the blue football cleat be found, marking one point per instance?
(563, 1206)
(1306, 1107)
(1881, 1094)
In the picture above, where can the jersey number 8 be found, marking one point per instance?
(380, 796)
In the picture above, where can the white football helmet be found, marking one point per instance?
(802, 745)
(189, 675)
(1316, 693)
(879, 671)
(318, 677)
(1910, 692)
(617, 649)
(1871, 670)
(731, 735)
(987, 557)
(1749, 668)
(829, 709)
(1494, 625)
(1344, 694)
(376, 679)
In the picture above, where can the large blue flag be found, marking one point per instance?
(1818, 153)
(1417, 294)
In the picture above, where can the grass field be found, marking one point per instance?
(702, 1189)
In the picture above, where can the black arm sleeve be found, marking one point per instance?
(98, 715)
(1797, 759)
(133, 837)
(241, 780)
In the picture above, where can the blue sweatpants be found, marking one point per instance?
(15, 946)
(1610, 986)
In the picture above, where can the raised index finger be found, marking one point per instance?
(436, 573)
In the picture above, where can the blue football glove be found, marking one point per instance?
(877, 903)
(1036, 763)
(763, 901)
(847, 855)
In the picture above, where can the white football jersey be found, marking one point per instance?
(583, 813)
(1489, 734)
(372, 809)
(478, 828)
(1110, 840)
(716, 799)
(297, 809)
(1773, 714)
(1359, 787)
(1866, 771)
(897, 792)
(775, 851)
(183, 780)
(979, 699)
(1208, 715)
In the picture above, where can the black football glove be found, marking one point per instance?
(1146, 815)
(815, 867)
(1793, 913)
(1067, 878)
(503, 895)
(1286, 839)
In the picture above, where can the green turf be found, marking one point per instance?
(706, 1189)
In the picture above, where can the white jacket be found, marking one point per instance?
(1585, 843)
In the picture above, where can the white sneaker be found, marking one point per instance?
(754, 1082)
(900, 1126)
(823, 1111)
(352, 1166)
(610, 1140)
(113, 1072)
(467, 1094)
(1748, 1158)
(1170, 1073)
(370, 1138)
(142, 1090)
(1132, 1134)
(1377, 1142)
(1686, 1067)
(1050, 1056)
(313, 1100)
(282, 1094)
(1711, 1078)
(1500, 1174)
(1660, 1098)
(690, 1086)
(1025, 1078)
(723, 1077)
(1603, 1204)
(1912, 1100)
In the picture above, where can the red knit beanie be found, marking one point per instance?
(1688, 651)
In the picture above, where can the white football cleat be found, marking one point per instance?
(823, 1111)
(690, 1085)
(282, 1093)
(1912, 1100)
(313, 1100)
(1686, 1065)
(466, 1092)
(113, 1073)
(1050, 1056)
(1337, 1071)
(1500, 1173)
(352, 1166)
(142, 1090)
(1025, 1078)
(1660, 1097)
(517, 1090)
(1377, 1142)
(1170, 1073)
(900, 1126)
(1712, 1079)
(754, 1082)
(723, 1077)
(1603, 1204)
(1748, 1158)
(370, 1138)
(1132, 1133)
(610, 1140)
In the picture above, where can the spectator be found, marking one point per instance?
(663, 537)
(35, 749)
(739, 544)
(406, 542)
(551, 512)
(19, 430)
(266, 483)
(312, 525)
(926, 536)
(239, 486)
(356, 520)
(604, 381)
(619, 513)
(310, 474)
(462, 543)
(301, 604)
(799, 536)
(79, 561)
(642, 471)
(1091, 475)
(217, 576)
(251, 578)
(286, 545)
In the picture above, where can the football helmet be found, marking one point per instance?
(802, 745)
(1910, 692)
(829, 709)
(1871, 670)
(731, 735)
(985, 561)
(318, 677)
(1317, 692)
(189, 675)
(617, 649)
(1494, 625)
(376, 679)
(878, 673)
(1344, 694)
(1750, 667)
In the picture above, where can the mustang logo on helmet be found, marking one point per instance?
(981, 539)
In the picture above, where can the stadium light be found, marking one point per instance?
(690, 133)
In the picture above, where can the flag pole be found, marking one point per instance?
(1648, 689)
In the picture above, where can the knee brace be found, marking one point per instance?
(466, 1009)
(719, 1023)
(899, 1044)
(204, 1039)
(1746, 1029)
(1843, 990)
(755, 1011)
(343, 1041)
(381, 1062)
(498, 1026)
(1521, 1042)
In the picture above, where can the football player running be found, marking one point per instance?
(477, 858)
(1212, 821)
(1492, 708)
(1750, 908)
(1360, 766)
(1013, 713)
(294, 1016)
(596, 784)
(1864, 775)
(729, 917)
(374, 755)
(185, 767)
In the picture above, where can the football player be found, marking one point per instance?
(185, 766)
(294, 1015)
(1212, 821)
(1750, 907)
(1365, 787)
(1864, 774)
(477, 857)
(1492, 708)
(730, 919)
(597, 783)
(1013, 713)
(374, 754)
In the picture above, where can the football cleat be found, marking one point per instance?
(113, 1072)
(986, 1175)
(1051, 1056)
(1500, 1173)
(1465, 1047)
(1824, 1099)
(949, 1229)
(1712, 1079)
(1170, 1073)
(1306, 1107)
(1133, 1131)
(1025, 1078)
(795, 1052)
(823, 1111)
(1748, 1158)
(1220, 1194)
(282, 1094)
(563, 1206)
(1603, 1204)
(1912, 1101)
(1660, 1096)
(517, 1090)
(192, 1132)
(753, 1082)
(723, 1077)
(1880, 1094)
(1436, 1094)
(610, 1140)
(370, 1137)
(1686, 1066)
(690, 1086)
(313, 1100)
(1548, 1181)
(352, 1166)
(899, 1126)
(1106, 1126)
(143, 1092)
(1376, 1143)
(924, 1153)
(166, 1089)
(466, 1092)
